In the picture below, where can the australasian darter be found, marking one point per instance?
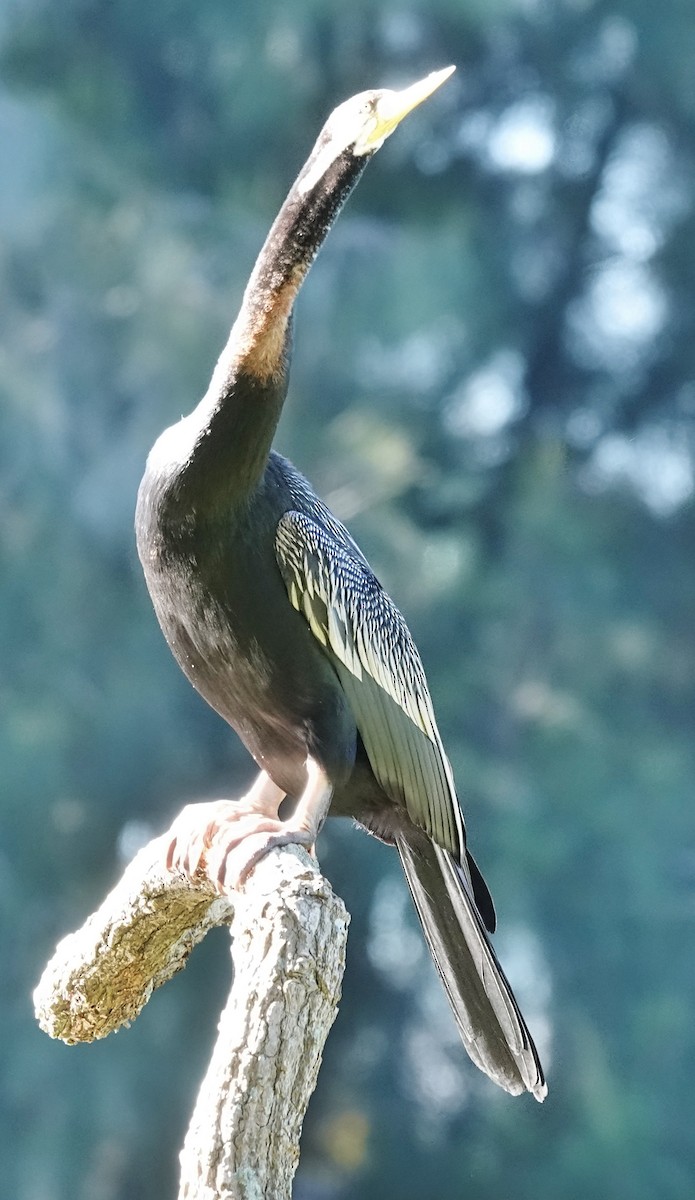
(274, 615)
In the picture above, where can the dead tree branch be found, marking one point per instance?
(289, 936)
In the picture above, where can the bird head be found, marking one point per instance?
(360, 125)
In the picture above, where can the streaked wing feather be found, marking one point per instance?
(380, 670)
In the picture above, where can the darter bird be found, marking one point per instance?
(275, 616)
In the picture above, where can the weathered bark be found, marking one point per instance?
(101, 976)
(289, 932)
(289, 952)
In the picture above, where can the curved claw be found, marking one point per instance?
(193, 832)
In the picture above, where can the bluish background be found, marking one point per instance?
(494, 385)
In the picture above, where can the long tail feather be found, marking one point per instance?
(490, 1022)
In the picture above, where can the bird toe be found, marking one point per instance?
(239, 860)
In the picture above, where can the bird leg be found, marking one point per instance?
(226, 838)
(235, 862)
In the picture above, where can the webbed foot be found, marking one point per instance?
(222, 840)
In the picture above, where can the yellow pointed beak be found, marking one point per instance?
(392, 107)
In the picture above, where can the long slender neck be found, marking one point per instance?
(233, 426)
(257, 340)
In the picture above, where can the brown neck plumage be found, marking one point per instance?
(256, 344)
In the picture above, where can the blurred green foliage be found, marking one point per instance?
(494, 385)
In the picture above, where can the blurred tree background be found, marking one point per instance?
(494, 384)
